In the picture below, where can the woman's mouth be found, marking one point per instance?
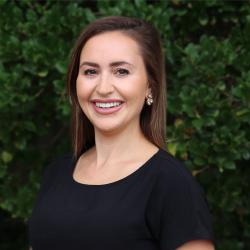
(107, 107)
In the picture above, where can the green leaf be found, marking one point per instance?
(89, 15)
(61, 67)
(230, 165)
(242, 112)
(172, 147)
(204, 20)
(192, 52)
(198, 123)
(199, 161)
(6, 156)
(43, 73)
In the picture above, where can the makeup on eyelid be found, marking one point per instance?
(125, 71)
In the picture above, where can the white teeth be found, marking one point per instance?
(107, 105)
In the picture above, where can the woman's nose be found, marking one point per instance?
(104, 85)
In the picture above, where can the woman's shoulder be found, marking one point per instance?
(56, 166)
(178, 210)
(171, 167)
(60, 160)
(174, 177)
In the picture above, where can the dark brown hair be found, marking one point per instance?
(153, 118)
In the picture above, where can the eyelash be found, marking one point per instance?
(121, 69)
(88, 70)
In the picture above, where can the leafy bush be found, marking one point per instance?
(207, 46)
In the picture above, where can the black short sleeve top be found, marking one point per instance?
(159, 206)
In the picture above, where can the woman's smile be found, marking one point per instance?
(112, 81)
(107, 108)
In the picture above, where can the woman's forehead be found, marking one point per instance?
(112, 46)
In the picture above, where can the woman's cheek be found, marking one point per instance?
(81, 88)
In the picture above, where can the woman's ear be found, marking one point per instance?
(148, 92)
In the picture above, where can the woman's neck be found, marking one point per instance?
(111, 148)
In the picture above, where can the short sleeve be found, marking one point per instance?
(178, 210)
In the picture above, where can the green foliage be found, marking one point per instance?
(207, 45)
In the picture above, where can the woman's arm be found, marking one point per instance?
(197, 245)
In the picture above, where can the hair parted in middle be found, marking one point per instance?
(153, 117)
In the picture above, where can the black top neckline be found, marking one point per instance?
(122, 180)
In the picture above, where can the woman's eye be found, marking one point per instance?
(122, 72)
(89, 72)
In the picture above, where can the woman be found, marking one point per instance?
(121, 190)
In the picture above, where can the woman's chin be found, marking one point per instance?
(108, 129)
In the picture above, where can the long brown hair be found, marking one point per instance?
(152, 118)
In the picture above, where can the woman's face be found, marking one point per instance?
(111, 73)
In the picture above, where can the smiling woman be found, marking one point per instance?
(112, 80)
(120, 189)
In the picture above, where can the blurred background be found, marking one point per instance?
(207, 48)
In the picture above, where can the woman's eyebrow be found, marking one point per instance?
(113, 64)
(119, 63)
(89, 64)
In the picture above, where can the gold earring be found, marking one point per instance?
(149, 99)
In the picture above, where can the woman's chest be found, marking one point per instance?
(94, 213)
